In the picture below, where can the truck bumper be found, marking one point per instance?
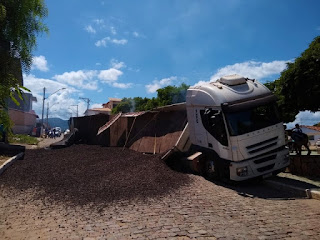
(261, 166)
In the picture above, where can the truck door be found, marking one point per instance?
(212, 121)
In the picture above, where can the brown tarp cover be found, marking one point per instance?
(154, 131)
(88, 127)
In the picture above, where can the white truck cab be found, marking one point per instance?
(235, 124)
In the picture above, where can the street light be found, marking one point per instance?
(44, 98)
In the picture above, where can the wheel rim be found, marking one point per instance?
(210, 168)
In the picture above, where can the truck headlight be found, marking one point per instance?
(242, 171)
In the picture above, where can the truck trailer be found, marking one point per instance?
(234, 130)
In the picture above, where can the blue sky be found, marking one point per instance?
(101, 49)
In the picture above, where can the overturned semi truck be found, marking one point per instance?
(227, 129)
(234, 130)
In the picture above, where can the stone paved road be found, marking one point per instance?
(201, 210)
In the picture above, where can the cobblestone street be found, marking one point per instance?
(201, 210)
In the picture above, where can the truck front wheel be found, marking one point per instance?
(210, 171)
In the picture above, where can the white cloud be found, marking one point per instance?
(98, 21)
(58, 101)
(251, 69)
(119, 41)
(110, 75)
(103, 42)
(305, 118)
(156, 84)
(122, 85)
(81, 79)
(96, 105)
(136, 34)
(113, 30)
(90, 29)
(36, 84)
(116, 64)
(40, 63)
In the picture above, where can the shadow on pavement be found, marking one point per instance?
(257, 188)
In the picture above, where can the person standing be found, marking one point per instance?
(54, 133)
(297, 129)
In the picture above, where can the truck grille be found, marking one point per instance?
(265, 159)
(265, 168)
(257, 147)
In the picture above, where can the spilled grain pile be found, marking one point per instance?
(83, 174)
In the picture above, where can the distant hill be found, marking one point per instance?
(57, 122)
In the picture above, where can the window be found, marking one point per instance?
(212, 120)
(311, 137)
(252, 119)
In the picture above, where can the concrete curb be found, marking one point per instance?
(313, 193)
(10, 161)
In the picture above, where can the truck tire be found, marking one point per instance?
(210, 171)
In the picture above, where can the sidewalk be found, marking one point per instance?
(304, 186)
(43, 142)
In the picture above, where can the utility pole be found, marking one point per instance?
(44, 98)
(47, 114)
(87, 100)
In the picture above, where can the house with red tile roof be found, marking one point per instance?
(106, 107)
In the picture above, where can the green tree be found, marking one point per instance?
(140, 104)
(172, 94)
(298, 87)
(20, 23)
(152, 103)
(166, 96)
(124, 106)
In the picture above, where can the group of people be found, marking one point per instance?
(50, 133)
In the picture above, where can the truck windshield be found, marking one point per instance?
(252, 119)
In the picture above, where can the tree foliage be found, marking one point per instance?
(298, 87)
(166, 96)
(20, 23)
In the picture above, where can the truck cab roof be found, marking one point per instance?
(226, 90)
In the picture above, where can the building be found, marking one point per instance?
(113, 102)
(312, 132)
(95, 111)
(106, 108)
(22, 115)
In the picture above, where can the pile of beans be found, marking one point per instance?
(84, 174)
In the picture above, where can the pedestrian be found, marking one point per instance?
(54, 133)
(300, 139)
(297, 129)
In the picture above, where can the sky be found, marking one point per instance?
(103, 49)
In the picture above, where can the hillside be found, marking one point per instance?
(58, 122)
